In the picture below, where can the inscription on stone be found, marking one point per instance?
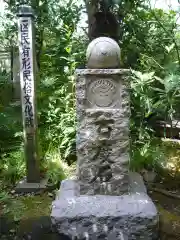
(102, 93)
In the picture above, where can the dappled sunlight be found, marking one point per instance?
(172, 153)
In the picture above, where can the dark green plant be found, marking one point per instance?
(60, 121)
(151, 96)
(12, 167)
(4, 197)
(149, 40)
(147, 155)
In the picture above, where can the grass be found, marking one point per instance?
(161, 155)
(23, 209)
(26, 207)
(25, 215)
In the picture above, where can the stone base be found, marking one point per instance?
(25, 187)
(131, 217)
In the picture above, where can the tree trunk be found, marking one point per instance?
(101, 21)
(91, 8)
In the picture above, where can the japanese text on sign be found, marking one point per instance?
(26, 65)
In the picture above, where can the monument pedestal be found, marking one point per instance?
(107, 202)
(128, 217)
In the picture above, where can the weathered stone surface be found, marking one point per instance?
(103, 52)
(105, 201)
(136, 183)
(86, 76)
(102, 132)
(25, 187)
(131, 217)
(69, 188)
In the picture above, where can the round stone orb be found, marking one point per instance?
(103, 52)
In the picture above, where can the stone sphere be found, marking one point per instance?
(103, 52)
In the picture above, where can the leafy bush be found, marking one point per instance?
(59, 118)
(152, 98)
(12, 167)
(57, 169)
(150, 45)
(4, 197)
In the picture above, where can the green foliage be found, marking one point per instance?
(62, 52)
(149, 39)
(57, 104)
(10, 128)
(12, 167)
(57, 169)
(59, 119)
(151, 97)
(147, 155)
(4, 197)
(153, 51)
(58, 54)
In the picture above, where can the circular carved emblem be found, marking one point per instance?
(103, 91)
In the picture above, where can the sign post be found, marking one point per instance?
(26, 44)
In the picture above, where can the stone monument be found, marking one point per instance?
(106, 201)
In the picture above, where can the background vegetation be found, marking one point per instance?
(149, 41)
